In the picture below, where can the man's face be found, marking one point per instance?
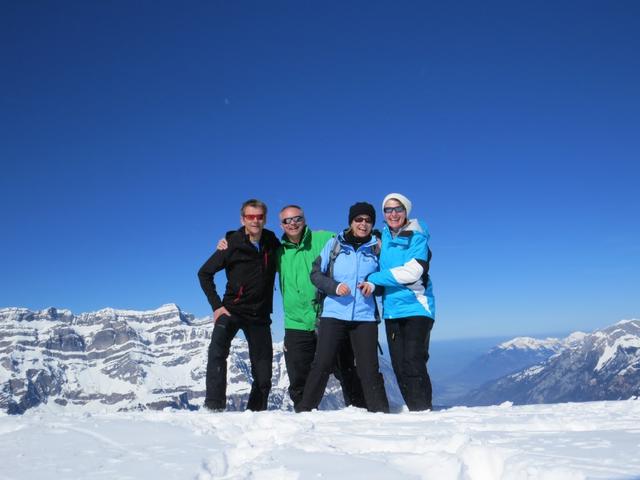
(394, 219)
(292, 222)
(253, 220)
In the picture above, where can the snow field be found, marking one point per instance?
(597, 440)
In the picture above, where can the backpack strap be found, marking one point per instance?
(335, 251)
(320, 294)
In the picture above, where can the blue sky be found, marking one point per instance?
(132, 132)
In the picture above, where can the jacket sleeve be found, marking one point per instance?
(319, 276)
(216, 262)
(411, 271)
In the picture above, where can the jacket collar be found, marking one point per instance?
(265, 238)
(370, 243)
(413, 225)
(306, 235)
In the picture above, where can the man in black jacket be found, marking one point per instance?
(250, 265)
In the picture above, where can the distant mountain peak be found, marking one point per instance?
(633, 321)
(529, 343)
(602, 365)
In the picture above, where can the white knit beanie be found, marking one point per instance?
(401, 198)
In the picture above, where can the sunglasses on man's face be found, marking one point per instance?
(398, 209)
(257, 216)
(296, 219)
(362, 219)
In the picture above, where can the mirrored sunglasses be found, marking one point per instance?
(296, 219)
(257, 216)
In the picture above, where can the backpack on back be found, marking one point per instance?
(318, 302)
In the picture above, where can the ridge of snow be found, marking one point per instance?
(610, 350)
(529, 343)
(628, 320)
(165, 308)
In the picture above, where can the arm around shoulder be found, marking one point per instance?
(416, 263)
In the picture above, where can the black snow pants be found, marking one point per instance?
(258, 335)
(363, 337)
(299, 351)
(408, 340)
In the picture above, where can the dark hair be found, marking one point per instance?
(252, 202)
(291, 206)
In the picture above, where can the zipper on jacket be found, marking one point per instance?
(240, 290)
(355, 300)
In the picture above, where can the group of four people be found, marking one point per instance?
(349, 269)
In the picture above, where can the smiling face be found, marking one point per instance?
(361, 226)
(253, 219)
(292, 222)
(394, 219)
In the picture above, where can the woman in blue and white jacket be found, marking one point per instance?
(349, 311)
(408, 303)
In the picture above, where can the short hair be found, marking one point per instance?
(292, 206)
(252, 202)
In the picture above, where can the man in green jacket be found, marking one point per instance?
(300, 246)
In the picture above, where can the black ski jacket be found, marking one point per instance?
(250, 275)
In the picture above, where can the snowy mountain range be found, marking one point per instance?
(502, 359)
(128, 360)
(603, 365)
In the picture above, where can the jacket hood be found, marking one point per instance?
(413, 225)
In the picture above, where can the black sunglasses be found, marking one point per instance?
(296, 219)
(398, 209)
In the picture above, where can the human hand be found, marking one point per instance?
(343, 290)
(222, 244)
(219, 312)
(366, 288)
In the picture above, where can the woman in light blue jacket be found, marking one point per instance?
(349, 310)
(408, 303)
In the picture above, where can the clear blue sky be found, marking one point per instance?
(132, 131)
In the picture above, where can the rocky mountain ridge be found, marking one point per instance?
(123, 360)
(603, 365)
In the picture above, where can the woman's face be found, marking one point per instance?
(394, 218)
(361, 226)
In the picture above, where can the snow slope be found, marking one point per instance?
(594, 440)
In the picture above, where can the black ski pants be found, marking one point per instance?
(258, 335)
(299, 351)
(408, 340)
(363, 337)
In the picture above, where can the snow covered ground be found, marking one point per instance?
(562, 441)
